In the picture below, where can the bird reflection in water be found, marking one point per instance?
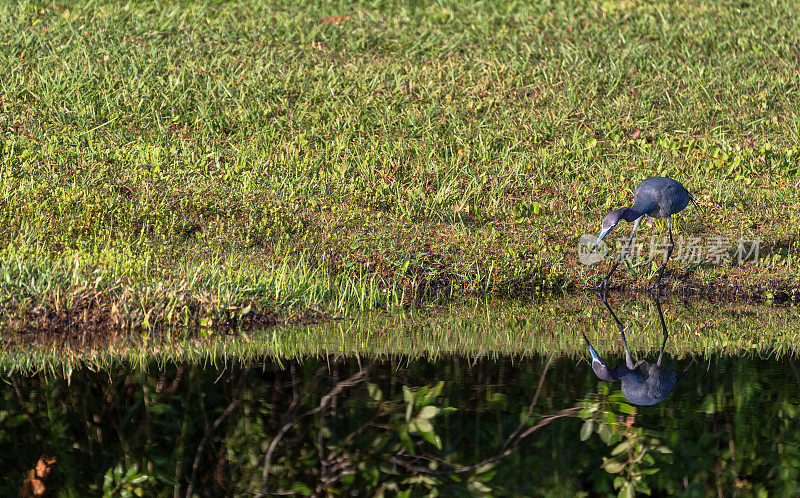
(643, 383)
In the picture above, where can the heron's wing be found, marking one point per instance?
(661, 383)
(660, 197)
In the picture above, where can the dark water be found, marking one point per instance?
(455, 427)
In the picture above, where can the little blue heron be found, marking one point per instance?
(643, 383)
(655, 197)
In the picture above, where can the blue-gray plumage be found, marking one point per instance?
(642, 383)
(656, 197)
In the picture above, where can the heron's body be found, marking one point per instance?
(643, 383)
(655, 197)
(646, 383)
(660, 197)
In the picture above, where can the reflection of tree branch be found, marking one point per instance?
(530, 407)
(323, 464)
(568, 412)
(21, 401)
(510, 443)
(179, 450)
(369, 423)
(334, 466)
(351, 381)
(232, 406)
(337, 469)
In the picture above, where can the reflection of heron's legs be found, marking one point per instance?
(663, 327)
(628, 358)
(604, 284)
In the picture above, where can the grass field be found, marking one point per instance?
(186, 162)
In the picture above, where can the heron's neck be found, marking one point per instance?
(621, 371)
(632, 214)
(639, 210)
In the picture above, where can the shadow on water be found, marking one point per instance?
(643, 383)
(539, 426)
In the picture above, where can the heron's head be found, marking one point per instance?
(609, 222)
(599, 366)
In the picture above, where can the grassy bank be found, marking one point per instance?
(698, 329)
(295, 158)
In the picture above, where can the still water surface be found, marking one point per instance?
(534, 426)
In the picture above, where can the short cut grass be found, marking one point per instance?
(374, 153)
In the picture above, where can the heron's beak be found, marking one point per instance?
(595, 356)
(599, 238)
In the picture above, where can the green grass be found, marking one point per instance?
(698, 329)
(415, 150)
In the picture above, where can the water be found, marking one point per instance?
(729, 427)
(497, 400)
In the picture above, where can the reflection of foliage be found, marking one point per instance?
(359, 458)
(314, 428)
(632, 457)
(733, 428)
(419, 414)
(124, 483)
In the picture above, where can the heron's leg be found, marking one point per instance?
(604, 284)
(663, 328)
(666, 258)
(628, 358)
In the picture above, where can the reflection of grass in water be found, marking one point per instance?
(486, 329)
